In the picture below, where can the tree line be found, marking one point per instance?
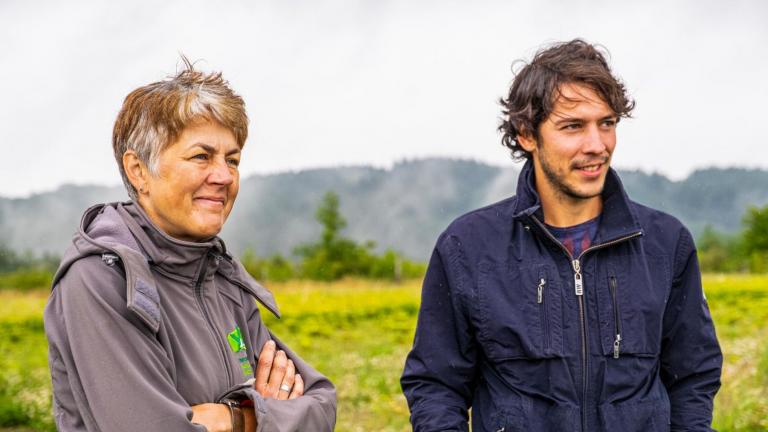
(746, 251)
(334, 256)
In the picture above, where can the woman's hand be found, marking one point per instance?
(276, 375)
(215, 417)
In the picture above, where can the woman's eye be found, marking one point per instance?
(233, 162)
(201, 156)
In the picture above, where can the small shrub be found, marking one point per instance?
(26, 279)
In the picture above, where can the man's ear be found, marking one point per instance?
(526, 141)
(137, 171)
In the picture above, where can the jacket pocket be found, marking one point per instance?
(545, 416)
(504, 420)
(631, 303)
(613, 288)
(520, 312)
(643, 416)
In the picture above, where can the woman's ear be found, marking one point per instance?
(137, 171)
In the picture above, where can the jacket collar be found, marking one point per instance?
(177, 257)
(126, 230)
(186, 259)
(618, 218)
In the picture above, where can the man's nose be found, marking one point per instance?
(594, 140)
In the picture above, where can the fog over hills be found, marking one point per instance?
(404, 208)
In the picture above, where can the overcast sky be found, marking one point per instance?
(373, 82)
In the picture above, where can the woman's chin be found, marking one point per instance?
(205, 229)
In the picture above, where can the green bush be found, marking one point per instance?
(26, 279)
(275, 268)
(334, 257)
(394, 266)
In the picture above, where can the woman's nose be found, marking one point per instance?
(221, 173)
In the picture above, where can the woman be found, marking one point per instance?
(152, 324)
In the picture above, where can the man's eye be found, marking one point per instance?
(572, 126)
(609, 122)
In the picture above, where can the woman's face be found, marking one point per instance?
(196, 183)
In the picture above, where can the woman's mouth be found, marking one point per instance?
(211, 202)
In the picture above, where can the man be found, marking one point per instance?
(567, 307)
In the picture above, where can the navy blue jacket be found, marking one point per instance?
(532, 339)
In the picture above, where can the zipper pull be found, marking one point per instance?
(577, 278)
(540, 291)
(616, 345)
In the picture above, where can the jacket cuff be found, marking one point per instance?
(246, 392)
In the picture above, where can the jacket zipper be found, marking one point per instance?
(578, 285)
(221, 344)
(543, 311)
(616, 316)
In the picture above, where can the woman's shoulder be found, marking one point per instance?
(92, 278)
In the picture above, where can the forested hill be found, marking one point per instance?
(404, 208)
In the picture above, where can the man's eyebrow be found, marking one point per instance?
(562, 119)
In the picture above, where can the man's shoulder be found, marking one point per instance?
(665, 234)
(651, 218)
(483, 222)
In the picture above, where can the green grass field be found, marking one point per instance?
(358, 333)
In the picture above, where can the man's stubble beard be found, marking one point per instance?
(559, 185)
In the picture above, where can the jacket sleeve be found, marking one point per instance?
(691, 360)
(440, 369)
(108, 371)
(314, 411)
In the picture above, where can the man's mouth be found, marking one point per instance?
(591, 168)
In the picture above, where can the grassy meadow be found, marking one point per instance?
(358, 333)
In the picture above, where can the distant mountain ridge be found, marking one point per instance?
(404, 208)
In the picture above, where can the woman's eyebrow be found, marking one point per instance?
(207, 147)
(211, 149)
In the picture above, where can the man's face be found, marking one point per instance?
(574, 146)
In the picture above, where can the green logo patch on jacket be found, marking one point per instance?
(236, 341)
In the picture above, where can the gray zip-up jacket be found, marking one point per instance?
(142, 326)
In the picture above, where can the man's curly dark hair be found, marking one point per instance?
(536, 88)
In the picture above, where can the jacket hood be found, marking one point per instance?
(618, 218)
(123, 231)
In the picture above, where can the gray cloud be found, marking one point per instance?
(347, 82)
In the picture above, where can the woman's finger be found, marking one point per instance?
(264, 367)
(298, 387)
(279, 366)
(288, 380)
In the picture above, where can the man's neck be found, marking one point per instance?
(564, 211)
